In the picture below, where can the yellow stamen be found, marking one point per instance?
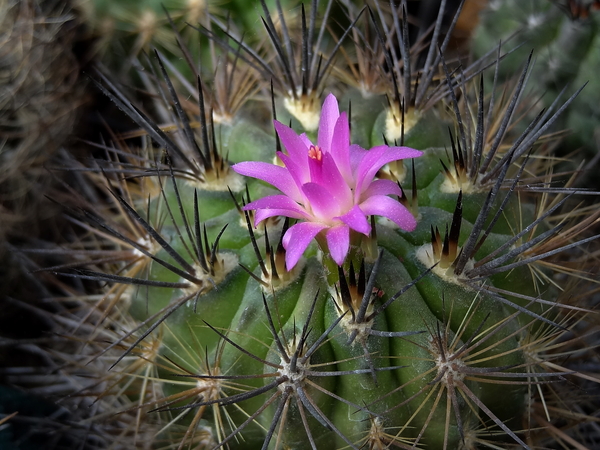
(315, 152)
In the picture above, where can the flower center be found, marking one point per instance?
(315, 152)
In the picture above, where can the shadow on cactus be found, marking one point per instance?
(419, 304)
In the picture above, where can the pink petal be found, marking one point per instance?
(357, 153)
(326, 174)
(378, 157)
(323, 205)
(294, 144)
(357, 220)
(365, 168)
(306, 140)
(408, 152)
(329, 115)
(388, 155)
(276, 205)
(340, 147)
(272, 174)
(338, 241)
(380, 205)
(297, 238)
(300, 173)
(262, 214)
(381, 187)
(273, 201)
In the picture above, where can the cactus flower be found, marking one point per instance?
(330, 187)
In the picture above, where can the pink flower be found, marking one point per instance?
(330, 187)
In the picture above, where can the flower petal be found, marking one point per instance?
(338, 241)
(296, 239)
(306, 140)
(299, 173)
(329, 116)
(262, 214)
(270, 173)
(380, 205)
(392, 154)
(364, 172)
(357, 220)
(357, 153)
(378, 157)
(323, 205)
(276, 205)
(382, 187)
(326, 174)
(294, 144)
(340, 148)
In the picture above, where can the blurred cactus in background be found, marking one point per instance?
(330, 231)
(41, 94)
(39, 97)
(565, 37)
(122, 31)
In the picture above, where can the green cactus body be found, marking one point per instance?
(564, 37)
(400, 382)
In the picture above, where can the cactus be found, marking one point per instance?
(387, 265)
(39, 96)
(123, 31)
(565, 37)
